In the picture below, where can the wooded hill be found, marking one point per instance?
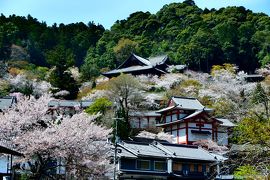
(188, 34)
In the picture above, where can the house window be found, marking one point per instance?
(200, 168)
(195, 167)
(174, 117)
(160, 166)
(186, 169)
(168, 118)
(177, 166)
(143, 164)
(205, 168)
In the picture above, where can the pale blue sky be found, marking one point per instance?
(106, 12)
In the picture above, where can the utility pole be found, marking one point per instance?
(115, 146)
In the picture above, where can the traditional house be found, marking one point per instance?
(6, 162)
(67, 107)
(137, 65)
(162, 160)
(189, 121)
(6, 102)
(144, 119)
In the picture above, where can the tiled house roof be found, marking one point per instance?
(7, 101)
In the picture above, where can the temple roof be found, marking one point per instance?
(188, 103)
(137, 64)
(184, 103)
(128, 69)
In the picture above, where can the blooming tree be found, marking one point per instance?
(28, 128)
(159, 136)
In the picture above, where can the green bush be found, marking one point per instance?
(100, 105)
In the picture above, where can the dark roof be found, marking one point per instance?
(164, 150)
(7, 101)
(4, 150)
(136, 63)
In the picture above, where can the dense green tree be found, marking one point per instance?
(261, 96)
(124, 48)
(61, 59)
(188, 34)
(7, 35)
(125, 91)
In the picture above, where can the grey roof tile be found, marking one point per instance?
(6, 102)
(188, 103)
(226, 122)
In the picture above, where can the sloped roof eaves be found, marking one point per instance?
(169, 123)
(144, 61)
(226, 122)
(127, 70)
(166, 109)
(165, 150)
(196, 113)
(188, 103)
(125, 153)
(190, 153)
(144, 150)
(184, 118)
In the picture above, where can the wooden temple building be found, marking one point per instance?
(137, 65)
(189, 121)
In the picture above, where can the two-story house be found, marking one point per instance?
(162, 160)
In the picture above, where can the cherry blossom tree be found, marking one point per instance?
(29, 129)
(159, 136)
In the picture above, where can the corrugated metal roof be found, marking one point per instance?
(226, 122)
(186, 152)
(6, 102)
(165, 150)
(188, 103)
(143, 149)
